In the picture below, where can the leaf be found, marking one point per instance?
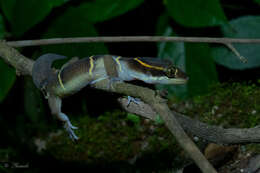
(243, 27)
(22, 15)
(257, 1)
(200, 67)
(101, 10)
(7, 76)
(2, 27)
(61, 27)
(195, 59)
(196, 13)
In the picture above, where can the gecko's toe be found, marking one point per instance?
(132, 99)
(69, 128)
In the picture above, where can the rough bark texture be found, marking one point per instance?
(22, 64)
(211, 133)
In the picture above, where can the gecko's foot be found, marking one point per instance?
(69, 127)
(132, 99)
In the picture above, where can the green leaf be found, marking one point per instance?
(101, 10)
(22, 15)
(62, 27)
(257, 1)
(243, 27)
(200, 67)
(195, 59)
(196, 13)
(7, 76)
(2, 27)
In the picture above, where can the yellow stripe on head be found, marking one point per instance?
(60, 81)
(91, 61)
(117, 61)
(147, 65)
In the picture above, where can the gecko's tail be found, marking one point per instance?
(42, 70)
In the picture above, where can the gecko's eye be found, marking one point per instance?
(171, 72)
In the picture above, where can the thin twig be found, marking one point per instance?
(233, 49)
(225, 41)
(24, 43)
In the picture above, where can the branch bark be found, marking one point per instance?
(160, 106)
(39, 42)
(207, 132)
(11, 56)
(226, 41)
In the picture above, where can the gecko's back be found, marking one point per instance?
(77, 75)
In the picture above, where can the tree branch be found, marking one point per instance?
(160, 106)
(226, 41)
(11, 56)
(110, 39)
(210, 133)
(233, 49)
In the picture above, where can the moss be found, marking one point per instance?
(229, 105)
(117, 136)
(113, 137)
(253, 148)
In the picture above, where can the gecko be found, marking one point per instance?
(78, 73)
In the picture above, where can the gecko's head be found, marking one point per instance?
(173, 75)
(158, 71)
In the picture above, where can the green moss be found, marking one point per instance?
(117, 136)
(134, 118)
(229, 105)
(112, 137)
(253, 148)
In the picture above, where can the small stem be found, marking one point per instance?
(24, 43)
(233, 49)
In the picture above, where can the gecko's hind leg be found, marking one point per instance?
(55, 106)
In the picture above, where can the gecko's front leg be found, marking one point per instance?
(55, 106)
